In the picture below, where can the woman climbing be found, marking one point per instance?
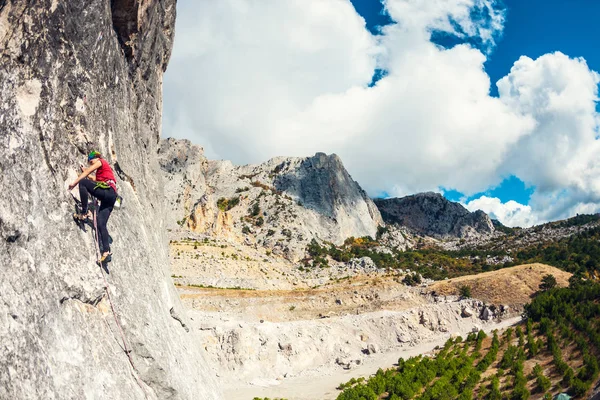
(104, 188)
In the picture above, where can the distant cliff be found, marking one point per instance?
(79, 75)
(431, 214)
(281, 204)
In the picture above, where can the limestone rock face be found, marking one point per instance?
(281, 204)
(184, 168)
(432, 215)
(321, 183)
(487, 314)
(77, 75)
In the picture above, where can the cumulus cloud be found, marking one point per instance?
(559, 156)
(250, 80)
(243, 72)
(510, 213)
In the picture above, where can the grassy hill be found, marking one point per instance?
(512, 285)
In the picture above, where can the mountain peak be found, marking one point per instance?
(432, 214)
(296, 198)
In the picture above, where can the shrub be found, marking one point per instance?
(381, 230)
(254, 210)
(495, 393)
(548, 282)
(412, 279)
(227, 204)
(543, 382)
(278, 168)
(568, 377)
(579, 388)
(465, 291)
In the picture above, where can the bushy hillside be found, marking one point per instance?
(556, 350)
(575, 250)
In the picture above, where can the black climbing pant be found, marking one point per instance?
(107, 199)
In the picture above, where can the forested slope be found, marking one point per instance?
(556, 350)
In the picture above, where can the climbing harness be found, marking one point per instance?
(107, 185)
(112, 307)
(101, 185)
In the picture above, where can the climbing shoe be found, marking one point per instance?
(106, 257)
(118, 203)
(82, 217)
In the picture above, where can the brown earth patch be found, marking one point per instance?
(347, 296)
(510, 286)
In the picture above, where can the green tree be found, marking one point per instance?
(465, 291)
(548, 282)
(495, 393)
(543, 382)
(567, 380)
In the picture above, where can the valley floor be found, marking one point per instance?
(322, 385)
(273, 330)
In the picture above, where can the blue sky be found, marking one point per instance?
(532, 28)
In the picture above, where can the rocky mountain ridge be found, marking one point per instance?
(268, 223)
(431, 214)
(280, 205)
(284, 203)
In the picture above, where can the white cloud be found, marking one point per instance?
(455, 17)
(560, 156)
(242, 71)
(250, 80)
(510, 213)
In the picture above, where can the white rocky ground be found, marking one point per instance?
(321, 384)
(284, 327)
(292, 325)
(255, 358)
(200, 261)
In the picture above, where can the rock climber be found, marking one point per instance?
(103, 187)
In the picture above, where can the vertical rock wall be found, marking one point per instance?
(77, 75)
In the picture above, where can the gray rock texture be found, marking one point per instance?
(251, 350)
(431, 214)
(77, 75)
(184, 169)
(281, 204)
(321, 183)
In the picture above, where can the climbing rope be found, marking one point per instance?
(126, 347)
